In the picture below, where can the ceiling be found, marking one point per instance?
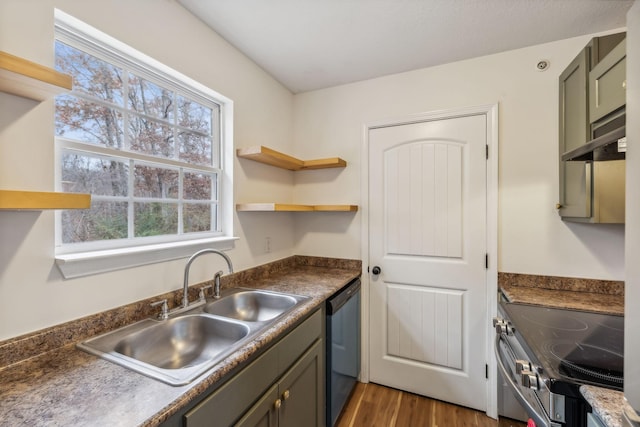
(314, 44)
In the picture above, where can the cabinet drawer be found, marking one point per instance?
(607, 84)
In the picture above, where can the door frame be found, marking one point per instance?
(490, 111)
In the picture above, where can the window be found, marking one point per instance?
(145, 141)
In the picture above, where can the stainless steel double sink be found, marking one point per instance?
(183, 347)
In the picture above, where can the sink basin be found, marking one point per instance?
(189, 343)
(182, 342)
(176, 350)
(252, 305)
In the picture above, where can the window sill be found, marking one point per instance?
(89, 263)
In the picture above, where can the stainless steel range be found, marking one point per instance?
(545, 354)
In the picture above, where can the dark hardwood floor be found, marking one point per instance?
(372, 405)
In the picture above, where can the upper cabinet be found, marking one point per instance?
(591, 120)
(574, 133)
(271, 157)
(24, 78)
(607, 84)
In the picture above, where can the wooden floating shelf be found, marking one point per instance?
(279, 207)
(37, 200)
(24, 78)
(21, 77)
(335, 208)
(271, 157)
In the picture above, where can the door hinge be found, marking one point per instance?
(486, 371)
(486, 261)
(487, 151)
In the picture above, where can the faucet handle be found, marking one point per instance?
(164, 313)
(216, 284)
(201, 294)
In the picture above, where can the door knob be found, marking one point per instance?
(376, 270)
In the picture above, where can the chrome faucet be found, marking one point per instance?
(185, 297)
(216, 284)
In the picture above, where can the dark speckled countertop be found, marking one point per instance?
(65, 386)
(607, 404)
(601, 296)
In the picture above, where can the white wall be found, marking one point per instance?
(32, 293)
(632, 284)
(318, 124)
(532, 238)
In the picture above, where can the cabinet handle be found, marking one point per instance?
(558, 206)
(285, 395)
(277, 404)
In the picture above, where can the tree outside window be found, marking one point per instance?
(146, 149)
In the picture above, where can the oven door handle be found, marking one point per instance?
(539, 419)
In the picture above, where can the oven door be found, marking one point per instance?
(528, 398)
(509, 409)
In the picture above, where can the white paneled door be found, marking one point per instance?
(428, 236)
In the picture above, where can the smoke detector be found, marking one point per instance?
(543, 65)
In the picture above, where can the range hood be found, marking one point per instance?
(610, 146)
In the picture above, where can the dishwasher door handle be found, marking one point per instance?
(335, 302)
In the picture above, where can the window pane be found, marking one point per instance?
(86, 121)
(195, 149)
(155, 219)
(194, 116)
(145, 143)
(150, 99)
(196, 217)
(198, 186)
(104, 221)
(150, 137)
(91, 75)
(99, 176)
(155, 182)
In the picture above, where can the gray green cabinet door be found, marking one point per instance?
(607, 84)
(226, 404)
(284, 386)
(264, 412)
(575, 179)
(302, 393)
(296, 400)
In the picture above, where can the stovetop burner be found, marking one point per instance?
(591, 375)
(589, 363)
(570, 324)
(572, 346)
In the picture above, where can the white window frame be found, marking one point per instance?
(131, 253)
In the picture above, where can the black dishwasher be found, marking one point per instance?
(343, 347)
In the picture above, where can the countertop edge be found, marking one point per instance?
(564, 299)
(607, 404)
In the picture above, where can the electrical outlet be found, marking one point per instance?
(267, 245)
